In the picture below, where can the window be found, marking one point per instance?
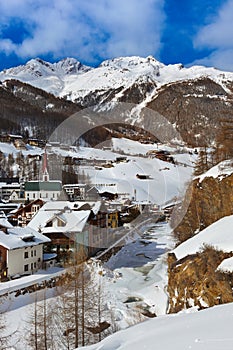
(60, 223)
(25, 268)
(34, 252)
(31, 253)
(25, 255)
(31, 266)
(34, 265)
(35, 208)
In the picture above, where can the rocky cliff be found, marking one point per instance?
(211, 198)
(194, 279)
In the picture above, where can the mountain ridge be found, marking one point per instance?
(71, 79)
(192, 99)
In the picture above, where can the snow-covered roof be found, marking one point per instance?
(5, 223)
(218, 235)
(3, 220)
(96, 207)
(56, 205)
(60, 205)
(40, 219)
(108, 189)
(74, 185)
(49, 256)
(74, 221)
(20, 237)
(12, 185)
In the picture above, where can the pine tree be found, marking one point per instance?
(202, 164)
(224, 142)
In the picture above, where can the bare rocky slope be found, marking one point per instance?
(211, 199)
(194, 280)
(195, 107)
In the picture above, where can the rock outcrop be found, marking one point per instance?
(211, 199)
(195, 281)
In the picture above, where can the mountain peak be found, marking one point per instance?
(36, 68)
(131, 62)
(70, 65)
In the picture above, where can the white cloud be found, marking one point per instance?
(217, 36)
(84, 29)
(221, 59)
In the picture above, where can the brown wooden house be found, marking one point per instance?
(25, 213)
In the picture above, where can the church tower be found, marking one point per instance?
(45, 176)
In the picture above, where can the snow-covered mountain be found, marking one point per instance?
(192, 99)
(47, 76)
(69, 78)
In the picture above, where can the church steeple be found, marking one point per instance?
(45, 167)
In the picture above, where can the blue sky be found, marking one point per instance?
(173, 31)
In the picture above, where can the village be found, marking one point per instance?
(46, 222)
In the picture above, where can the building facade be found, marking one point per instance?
(21, 252)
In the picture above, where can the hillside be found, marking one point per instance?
(194, 275)
(204, 239)
(211, 198)
(24, 107)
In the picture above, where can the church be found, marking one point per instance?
(45, 189)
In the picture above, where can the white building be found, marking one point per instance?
(44, 190)
(75, 191)
(21, 251)
(10, 191)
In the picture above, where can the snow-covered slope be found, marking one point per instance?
(226, 265)
(165, 180)
(75, 81)
(204, 330)
(218, 235)
(219, 171)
